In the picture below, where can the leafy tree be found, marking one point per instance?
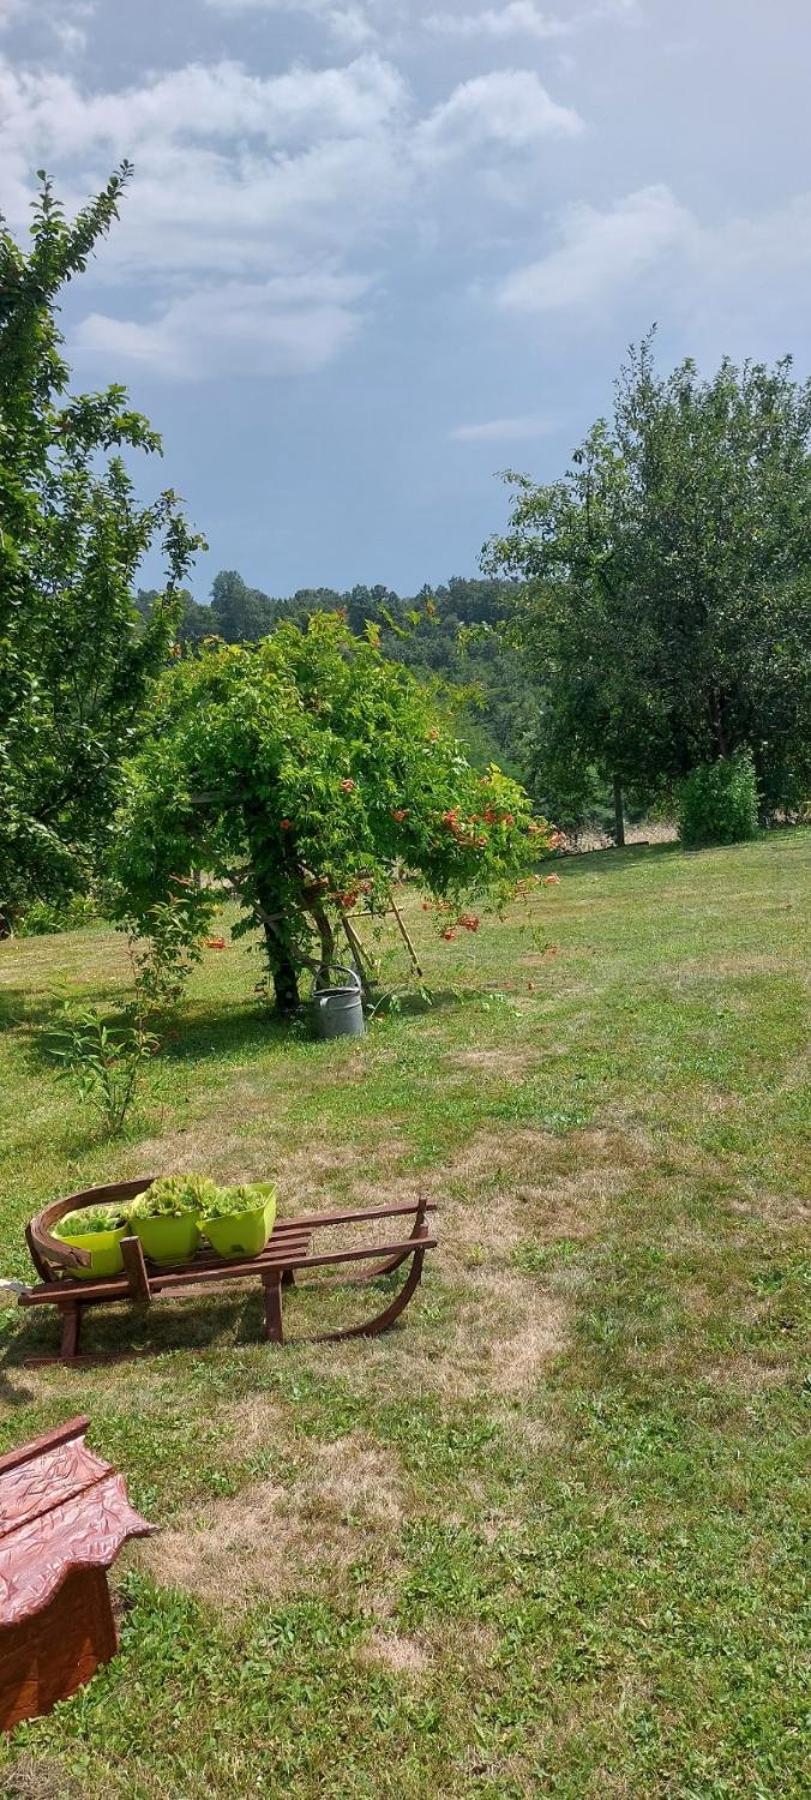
(75, 659)
(239, 614)
(667, 610)
(302, 770)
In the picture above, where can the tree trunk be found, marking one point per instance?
(327, 936)
(619, 815)
(285, 981)
(280, 962)
(717, 718)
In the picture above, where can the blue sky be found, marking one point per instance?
(377, 250)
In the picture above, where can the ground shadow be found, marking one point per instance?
(227, 1318)
(195, 1036)
(22, 1012)
(608, 860)
(223, 1321)
(417, 1004)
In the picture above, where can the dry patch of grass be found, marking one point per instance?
(505, 1329)
(400, 1655)
(307, 1172)
(509, 1063)
(525, 1183)
(39, 1778)
(742, 963)
(507, 1333)
(747, 1375)
(282, 1537)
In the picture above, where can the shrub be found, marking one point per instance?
(174, 1197)
(718, 803)
(106, 1062)
(44, 916)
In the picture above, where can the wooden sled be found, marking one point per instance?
(287, 1256)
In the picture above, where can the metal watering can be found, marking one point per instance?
(338, 1011)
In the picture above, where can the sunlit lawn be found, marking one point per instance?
(546, 1538)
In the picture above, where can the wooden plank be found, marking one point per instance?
(257, 1266)
(117, 1287)
(133, 1253)
(50, 1440)
(360, 1214)
(272, 1285)
(71, 1329)
(403, 930)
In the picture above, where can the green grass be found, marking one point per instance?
(547, 1537)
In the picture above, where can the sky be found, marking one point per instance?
(376, 251)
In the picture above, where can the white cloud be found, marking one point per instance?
(502, 431)
(519, 16)
(243, 182)
(285, 326)
(601, 252)
(201, 101)
(232, 172)
(526, 18)
(348, 20)
(509, 108)
(732, 269)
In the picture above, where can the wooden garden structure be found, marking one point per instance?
(64, 1515)
(291, 1252)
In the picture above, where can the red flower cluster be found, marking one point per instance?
(464, 836)
(469, 921)
(448, 933)
(347, 784)
(399, 813)
(286, 825)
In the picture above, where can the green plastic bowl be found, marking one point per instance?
(242, 1234)
(104, 1248)
(168, 1241)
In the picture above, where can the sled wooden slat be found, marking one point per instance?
(287, 1256)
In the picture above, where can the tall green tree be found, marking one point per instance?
(667, 606)
(301, 771)
(75, 658)
(240, 614)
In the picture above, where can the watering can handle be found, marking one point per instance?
(341, 969)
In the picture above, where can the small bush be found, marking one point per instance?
(45, 916)
(105, 1062)
(718, 803)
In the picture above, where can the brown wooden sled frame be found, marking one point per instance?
(286, 1257)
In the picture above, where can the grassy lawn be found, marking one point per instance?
(546, 1537)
